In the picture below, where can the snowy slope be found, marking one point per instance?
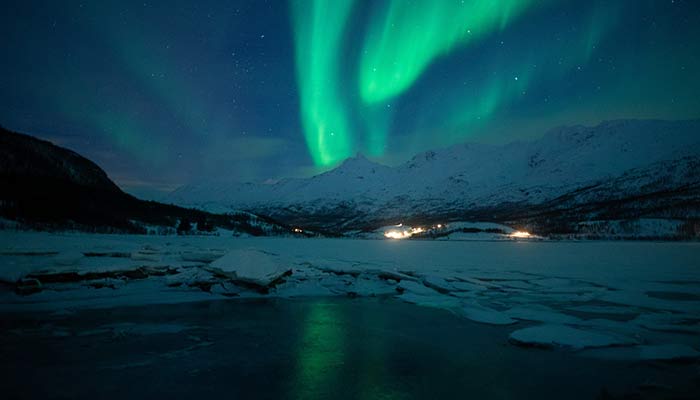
(468, 177)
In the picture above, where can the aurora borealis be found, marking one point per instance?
(318, 28)
(405, 38)
(165, 93)
(401, 42)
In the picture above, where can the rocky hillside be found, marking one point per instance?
(44, 186)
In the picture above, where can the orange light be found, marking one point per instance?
(396, 234)
(520, 234)
(402, 234)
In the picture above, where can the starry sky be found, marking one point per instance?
(164, 93)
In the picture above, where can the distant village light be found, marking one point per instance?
(402, 233)
(396, 234)
(520, 234)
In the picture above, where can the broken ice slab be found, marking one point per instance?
(434, 301)
(540, 313)
(252, 266)
(478, 313)
(147, 253)
(416, 288)
(203, 256)
(552, 335)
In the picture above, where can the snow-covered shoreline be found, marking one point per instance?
(579, 295)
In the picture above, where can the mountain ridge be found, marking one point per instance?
(456, 181)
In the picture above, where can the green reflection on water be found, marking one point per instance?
(324, 365)
(321, 352)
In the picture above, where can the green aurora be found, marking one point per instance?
(402, 40)
(161, 94)
(394, 45)
(318, 27)
(405, 38)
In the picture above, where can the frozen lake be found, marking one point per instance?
(312, 348)
(320, 318)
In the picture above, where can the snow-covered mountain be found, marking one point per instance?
(566, 169)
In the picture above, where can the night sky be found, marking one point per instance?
(164, 93)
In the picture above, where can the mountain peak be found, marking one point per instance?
(359, 157)
(358, 161)
(476, 176)
(358, 166)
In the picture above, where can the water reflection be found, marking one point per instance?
(325, 363)
(373, 360)
(321, 352)
(296, 349)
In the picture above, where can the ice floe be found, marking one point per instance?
(254, 266)
(624, 296)
(485, 315)
(551, 335)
